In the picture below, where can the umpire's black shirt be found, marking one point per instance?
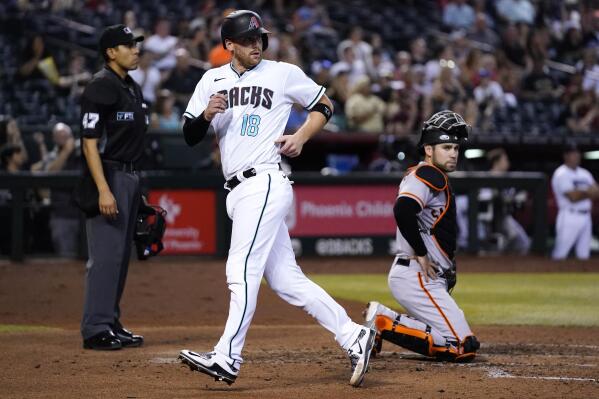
(113, 111)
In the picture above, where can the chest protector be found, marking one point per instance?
(444, 230)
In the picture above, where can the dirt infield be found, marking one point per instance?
(182, 303)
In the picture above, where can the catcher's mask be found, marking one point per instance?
(243, 23)
(444, 127)
(149, 230)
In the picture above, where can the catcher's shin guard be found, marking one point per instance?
(410, 338)
(421, 341)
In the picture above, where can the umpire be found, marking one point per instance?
(114, 119)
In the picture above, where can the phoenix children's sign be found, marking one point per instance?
(342, 211)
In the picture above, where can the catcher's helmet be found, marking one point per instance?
(243, 23)
(149, 230)
(444, 127)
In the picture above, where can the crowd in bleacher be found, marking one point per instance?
(511, 67)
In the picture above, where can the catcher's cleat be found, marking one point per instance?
(210, 363)
(359, 355)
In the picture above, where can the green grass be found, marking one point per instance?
(16, 328)
(551, 299)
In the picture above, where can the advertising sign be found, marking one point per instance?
(191, 220)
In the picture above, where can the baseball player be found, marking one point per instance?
(574, 189)
(424, 270)
(247, 104)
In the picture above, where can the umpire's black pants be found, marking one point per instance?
(109, 247)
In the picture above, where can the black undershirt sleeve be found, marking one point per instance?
(405, 211)
(195, 129)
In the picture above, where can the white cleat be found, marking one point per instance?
(210, 363)
(359, 355)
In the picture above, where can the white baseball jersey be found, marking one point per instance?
(259, 104)
(566, 179)
(435, 204)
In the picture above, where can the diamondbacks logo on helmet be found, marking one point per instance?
(254, 23)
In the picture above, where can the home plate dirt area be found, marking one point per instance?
(182, 303)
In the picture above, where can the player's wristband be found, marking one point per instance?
(323, 109)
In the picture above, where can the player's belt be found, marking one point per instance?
(128, 167)
(234, 181)
(402, 262)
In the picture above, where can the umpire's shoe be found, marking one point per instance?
(210, 363)
(127, 338)
(359, 354)
(104, 341)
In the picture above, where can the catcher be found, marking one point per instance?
(424, 271)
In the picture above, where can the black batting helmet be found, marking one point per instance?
(243, 23)
(444, 127)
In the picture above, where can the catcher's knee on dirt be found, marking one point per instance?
(420, 340)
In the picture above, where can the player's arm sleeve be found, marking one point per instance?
(195, 125)
(302, 90)
(194, 130)
(405, 211)
(97, 97)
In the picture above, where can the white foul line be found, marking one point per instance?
(498, 373)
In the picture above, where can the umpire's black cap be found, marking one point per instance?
(116, 35)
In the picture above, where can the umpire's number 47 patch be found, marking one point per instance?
(90, 119)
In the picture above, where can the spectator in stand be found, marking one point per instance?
(198, 44)
(401, 114)
(12, 158)
(76, 76)
(339, 91)
(166, 116)
(419, 51)
(11, 134)
(162, 44)
(591, 35)
(355, 68)
(362, 50)
(481, 32)
(570, 50)
(365, 112)
(514, 11)
(582, 115)
(444, 58)
(539, 85)
(287, 52)
(147, 76)
(446, 88)
(458, 14)
(469, 68)
(130, 20)
(183, 79)
(64, 217)
(590, 69)
(310, 20)
(403, 63)
(382, 67)
(539, 40)
(489, 96)
(34, 51)
(514, 46)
